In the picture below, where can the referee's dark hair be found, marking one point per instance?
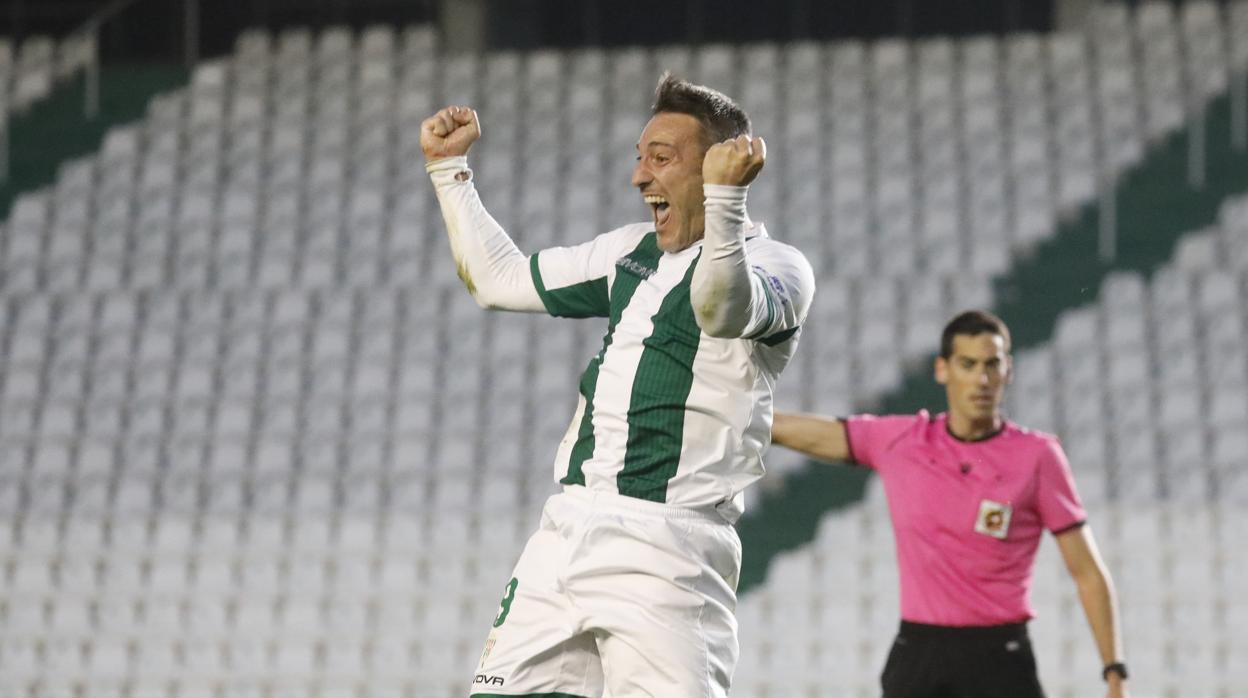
(972, 322)
(721, 118)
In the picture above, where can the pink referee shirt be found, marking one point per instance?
(967, 516)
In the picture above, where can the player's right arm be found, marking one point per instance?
(821, 438)
(493, 269)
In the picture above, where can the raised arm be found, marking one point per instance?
(732, 296)
(1096, 593)
(822, 438)
(492, 268)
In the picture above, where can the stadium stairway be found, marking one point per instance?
(1155, 207)
(55, 130)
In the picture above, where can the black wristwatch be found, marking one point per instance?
(1116, 668)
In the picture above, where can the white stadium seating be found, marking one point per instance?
(31, 69)
(242, 389)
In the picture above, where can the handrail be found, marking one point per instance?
(1239, 108)
(93, 23)
(90, 30)
(4, 145)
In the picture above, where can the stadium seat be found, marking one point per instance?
(20, 663)
(237, 310)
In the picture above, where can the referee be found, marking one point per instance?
(969, 494)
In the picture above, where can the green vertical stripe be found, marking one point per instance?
(647, 253)
(656, 410)
(586, 299)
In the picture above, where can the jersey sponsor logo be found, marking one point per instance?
(634, 267)
(993, 519)
(483, 680)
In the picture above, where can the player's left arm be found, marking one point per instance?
(1096, 593)
(732, 294)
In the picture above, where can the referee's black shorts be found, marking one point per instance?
(936, 661)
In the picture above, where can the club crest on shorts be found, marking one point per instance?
(993, 519)
(489, 645)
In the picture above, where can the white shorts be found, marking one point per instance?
(620, 594)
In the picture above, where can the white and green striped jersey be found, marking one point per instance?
(666, 412)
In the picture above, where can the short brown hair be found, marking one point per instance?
(972, 322)
(721, 118)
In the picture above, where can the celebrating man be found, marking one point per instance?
(629, 584)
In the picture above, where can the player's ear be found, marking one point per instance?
(1009, 369)
(940, 367)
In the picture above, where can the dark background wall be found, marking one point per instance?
(525, 23)
(153, 29)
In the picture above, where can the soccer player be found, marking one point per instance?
(629, 583)
(969, 494)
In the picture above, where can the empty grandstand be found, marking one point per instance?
(250, 423)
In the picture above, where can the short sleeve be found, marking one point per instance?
(870, 436)
(1057, 499)
(575, 281)
(786, 283)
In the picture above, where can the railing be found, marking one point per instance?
(1196, 110)
(89, 33)
(1239, 110)
(4, 144)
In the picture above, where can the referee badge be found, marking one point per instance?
(993, 519)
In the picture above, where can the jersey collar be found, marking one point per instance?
(944, 419)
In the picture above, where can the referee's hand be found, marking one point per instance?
(735, 161)
(449, 133)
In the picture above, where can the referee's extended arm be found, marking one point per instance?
(1096, 592)
(821, 438)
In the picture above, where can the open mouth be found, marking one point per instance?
(659, 206)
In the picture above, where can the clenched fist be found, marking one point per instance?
(735, 161)
(449, 133)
